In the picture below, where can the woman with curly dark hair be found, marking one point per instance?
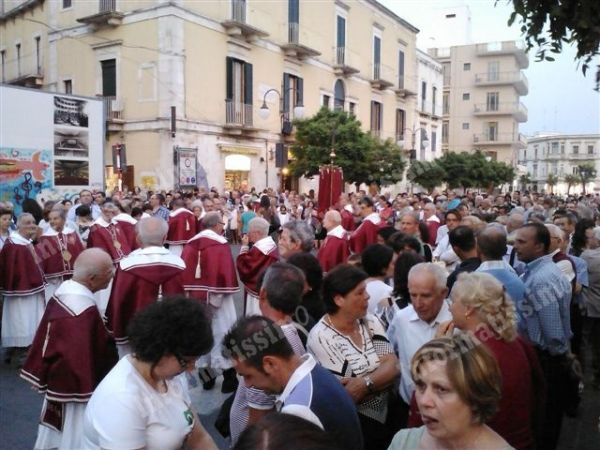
(142, 402)
(578, 241)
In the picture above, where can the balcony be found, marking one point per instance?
(382, 77)
(294, 48)
(238, 117)
(237, 26)
(107, 15)
(345, 62)
(405, 88)
(517, 79)
(25, 70)
(493, 138)
(113, 113)
(516, 109)
(439, 53)
(505, 48)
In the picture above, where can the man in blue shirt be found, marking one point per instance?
(263, 356)
(546, 318)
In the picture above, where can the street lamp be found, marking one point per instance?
(424, 140)
(264, 112)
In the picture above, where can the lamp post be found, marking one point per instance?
(424, 140)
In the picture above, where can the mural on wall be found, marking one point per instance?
(24, 173)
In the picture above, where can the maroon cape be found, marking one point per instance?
(347, 220)
(363, 236)
(141, 278)
(70, 353)
(251, 263)
(20, 273)
(127, 225)
(103, 237)
(209, 266)
(53, 260)
(182, 227)
(334, 251)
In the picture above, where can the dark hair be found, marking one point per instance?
(405, 261)
(569, 215)
(395, 241)
(542, 235)
(254, 337)
(367, 201)
(83, 211)
(280, 431)
(4, 212)
(160, 197)
(578, 239)
(411, 242)
(341, 280)
(386, 232)
(456, 212)
(424, 232)
(284, 284)
(376, 258)
(313, 272)
(176, 325)
(136, 211)
(491, 243)
(462, 237)
(32, 207)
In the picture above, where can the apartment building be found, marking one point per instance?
(184, 81)
(482, 108)
(560, 155)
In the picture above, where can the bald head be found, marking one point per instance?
(151, 232)
(491, 243)
(93, 268)
(332, 219)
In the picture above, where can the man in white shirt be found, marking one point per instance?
(85, 198)
(417, 324)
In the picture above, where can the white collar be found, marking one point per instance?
(75, 296)
(52, 232)
(373, 217)
(124, 218)
(103, 223)
(16, 238)
(433, 218)
(151, 255)
(265, 245)
(443, 312)
(178, 211)
(209, 234)
(337, 232)
(492, 265)
(554, 252)
(349, 208)
(307, 364)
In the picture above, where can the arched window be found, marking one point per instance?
(340, 95)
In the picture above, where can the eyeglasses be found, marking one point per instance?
(184, 363)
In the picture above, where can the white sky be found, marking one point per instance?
(560, 98)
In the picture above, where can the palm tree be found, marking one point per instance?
(551, 181)
(525, 180)
(587, 172)
(571, 180)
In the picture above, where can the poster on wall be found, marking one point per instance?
(187, 158)
(52, 145)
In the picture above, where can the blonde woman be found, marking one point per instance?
(481, 306)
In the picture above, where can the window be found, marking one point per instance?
(66, 4)
(576, 149)
(433, 99)
(433, 140)
(423, 94)
(68, 86)
(466, 96)
(293, 89)
(535, 170)
(339, 95)
(3, 62)
(492, 131)
(561, 170)
(38, 62)
(446, 73)
(562, 149)
(493, 70)
(376, 57)
(341, 40)
(325, 100)
(376, 116)
(109, 77)
(445, 103)
(293, 21)
(445, 128)
(554, 148)
(423, 142)
(466, 67)
(590, 149)
(575, 170)
(492, 101)
(401, 69)
(465, 125)
(400, 124)
(535, 152)
(352, 108)
(18, 46)
(238, 91)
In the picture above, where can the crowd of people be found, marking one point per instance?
(409, 322)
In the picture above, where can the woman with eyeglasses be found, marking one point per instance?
(143, 402)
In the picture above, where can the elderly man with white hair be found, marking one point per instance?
(71, 353)
(296, 236)
(22, 285)
(258, 252)
(418, 323)
(142, 277)
(336, 249)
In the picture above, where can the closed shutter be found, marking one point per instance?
(248, 84)
(229, 78)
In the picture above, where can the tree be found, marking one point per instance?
(362, 158)
(525, 181)
(549, 24)
(456, 167)
(551, 181)
(427, 174)
(501, 174)
(587, 172)
(470, 170)
(571, 180)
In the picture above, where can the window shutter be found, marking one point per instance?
(300, 89)
(248, 84)
(286, 92)
(229, 78)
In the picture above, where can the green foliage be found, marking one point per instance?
(456, 167)
(548, 24)
(571, 180)
(363, 159)
(551, 181)
(427, 174)
(587, 172)
(525, 180)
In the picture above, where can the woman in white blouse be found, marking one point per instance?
(353, 346)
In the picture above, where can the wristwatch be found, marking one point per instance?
(370, 384)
